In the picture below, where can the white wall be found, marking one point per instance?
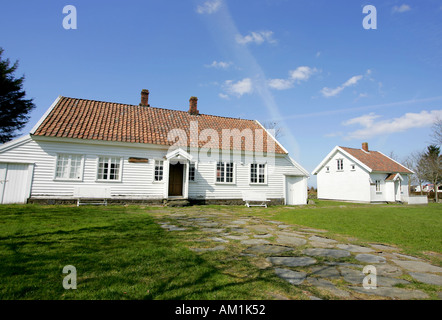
(348, 184)
(137, 178)
(418, 200)
(206, 187)
(387, 188)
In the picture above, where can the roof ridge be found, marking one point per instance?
(174, 110)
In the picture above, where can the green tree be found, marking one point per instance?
(14, 108)
(431, 163)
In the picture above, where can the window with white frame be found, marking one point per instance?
(378, 185)
(340, 163)
(69, 167)
(224, 172)
(192, 169)
(109, 169)
(159, 170)
(353, 167)
(327, 169)
(258, 173)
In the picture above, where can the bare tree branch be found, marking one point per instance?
(275, 128)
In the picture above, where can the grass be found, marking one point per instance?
(121, 253)
(415, 229)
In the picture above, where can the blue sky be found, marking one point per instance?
(309, 65)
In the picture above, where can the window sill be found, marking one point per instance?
(225, 183)
(108, 181)
(68, 180)
(158, 182)
(257, 184)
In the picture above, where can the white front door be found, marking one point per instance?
(295, 193)
(14, 187)
(397, 190)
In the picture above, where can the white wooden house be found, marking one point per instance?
(361, 175)
(138, 153)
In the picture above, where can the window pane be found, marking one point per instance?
(108, 168)
(220, 172)
(253, 173)
(158, 174)
(340, 164)
(192, 172)
(68, 166)
(229, 172)
(62, 166)
(261, 173)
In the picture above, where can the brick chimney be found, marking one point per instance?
(365, 146)
(193, 106)
(144, 98)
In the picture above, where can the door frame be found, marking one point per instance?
(183, 169)
(303, 180)
(181, 156)
(28, 183)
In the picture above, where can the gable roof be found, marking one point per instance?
(108, 121)
(371, 161)
(393, 177)
(377, 161)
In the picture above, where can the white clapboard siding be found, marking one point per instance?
(137, 178)
(205, 185)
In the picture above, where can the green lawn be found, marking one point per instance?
(415, 229)
(120, 253)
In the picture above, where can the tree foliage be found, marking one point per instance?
(431, 166)
(14, 108)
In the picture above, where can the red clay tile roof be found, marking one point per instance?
(376, 161)
(98, 120)
(391, 177)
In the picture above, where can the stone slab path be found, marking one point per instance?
(305, 257)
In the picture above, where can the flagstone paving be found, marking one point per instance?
(307, 258)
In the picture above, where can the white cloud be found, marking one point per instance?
(402, 8)
(239, 88)
(408, 121)
(223, 96)
(256, 37)
(302, 73)
(219, 64)
(280, 84)
(329, 92)
(365, 120)
(209, 7)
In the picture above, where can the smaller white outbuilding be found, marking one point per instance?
(361, 175)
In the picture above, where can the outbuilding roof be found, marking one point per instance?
(376, 160)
